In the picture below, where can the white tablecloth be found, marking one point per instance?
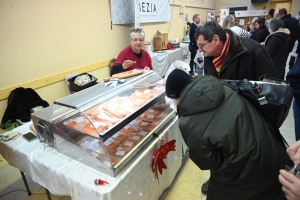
(62, 175)
(162, 61)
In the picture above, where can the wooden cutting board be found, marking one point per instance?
(127, 74)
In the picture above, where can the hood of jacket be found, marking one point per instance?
(206, 92)
(282, 33)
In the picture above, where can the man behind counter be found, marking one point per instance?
(133, 56)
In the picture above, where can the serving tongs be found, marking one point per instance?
(144, 86)
(113, 82)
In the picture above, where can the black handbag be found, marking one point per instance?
(271, 97)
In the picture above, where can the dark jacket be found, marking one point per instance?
(261, 34)
(276, 44)
(193, 41)
(228, 136)
(294, 78)
(245, 59)
(293, 25)
(19, 104)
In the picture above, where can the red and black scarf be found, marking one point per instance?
(217, 61)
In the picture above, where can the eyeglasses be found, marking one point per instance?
(200, 46)
(138, 40)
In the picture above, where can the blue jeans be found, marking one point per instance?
(296, 109)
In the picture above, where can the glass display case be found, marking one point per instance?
(105, 127)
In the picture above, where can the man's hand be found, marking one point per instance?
(147, 67)
(128, 63)
(294, 152)
(290, 185)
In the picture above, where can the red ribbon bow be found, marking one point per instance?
(161, 154)
(98, 181)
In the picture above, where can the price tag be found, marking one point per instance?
(107, 163)
(150, 116)
(97, 124)
(136, 137)
(128, 143)
(120, 152)
(106, 143)
(144, 123)
(142, 133)
(78, 120)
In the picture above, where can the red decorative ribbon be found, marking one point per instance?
(161, 154)
(98, 181)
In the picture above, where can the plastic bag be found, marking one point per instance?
(178, 64)
(199, 59)
(82, 80)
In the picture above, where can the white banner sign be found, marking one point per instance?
(148, 7)
(123, 11)
(251, 13)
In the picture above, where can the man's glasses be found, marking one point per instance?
(138, 40)
(200, 46)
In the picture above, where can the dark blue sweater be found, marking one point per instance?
(294, 78)
(193, 28)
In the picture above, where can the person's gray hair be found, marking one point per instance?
(275, 24)
(195, 16)
(139, 31)
(228, 22)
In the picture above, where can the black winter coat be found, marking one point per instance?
(245, 59)
(293, 25)
(277, 46)
(261, 34)
(294, 78)
(229, 137)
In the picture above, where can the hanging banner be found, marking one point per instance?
(251, 13)
(123, 11)
(137, 14)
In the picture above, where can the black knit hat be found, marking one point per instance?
(176, 82)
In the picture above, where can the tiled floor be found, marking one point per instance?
(186, 185)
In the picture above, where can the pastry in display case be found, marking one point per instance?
(105, 128)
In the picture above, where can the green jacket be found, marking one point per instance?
(228, 136)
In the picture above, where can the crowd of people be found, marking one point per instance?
(234, 54)
(241, 164)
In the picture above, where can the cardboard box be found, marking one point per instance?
(160, 43)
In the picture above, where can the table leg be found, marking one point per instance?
(48, 194)
(25, 182)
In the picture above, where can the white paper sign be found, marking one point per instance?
(123, 11)
(242, 22)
